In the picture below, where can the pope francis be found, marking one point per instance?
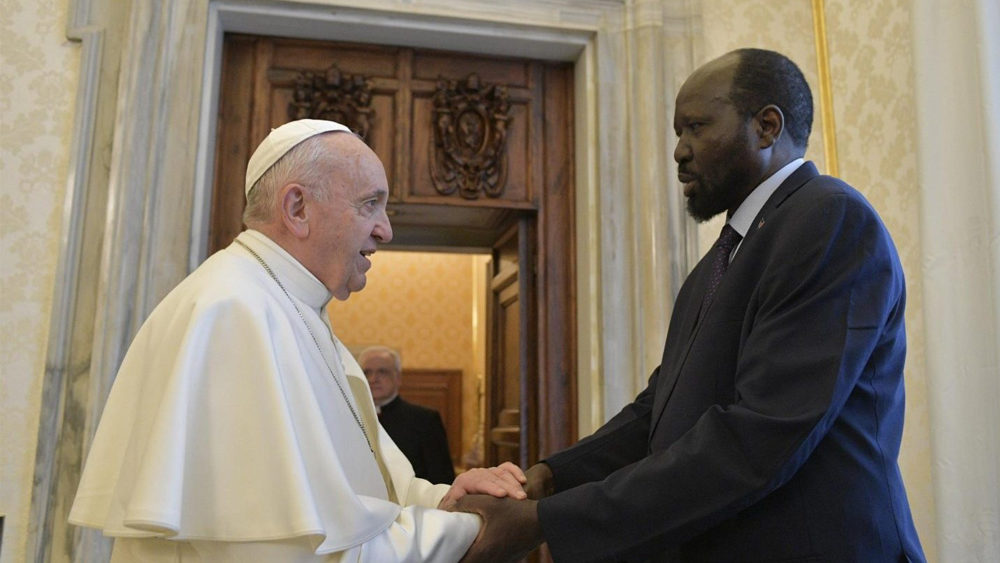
(239, 428)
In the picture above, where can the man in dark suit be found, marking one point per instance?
(771, 429)
(417, 430)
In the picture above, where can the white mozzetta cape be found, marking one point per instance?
(225, 424)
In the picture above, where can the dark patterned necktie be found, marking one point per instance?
(728, 239)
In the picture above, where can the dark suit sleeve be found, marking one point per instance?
(621, 441)
(435, 453)
(832, 292)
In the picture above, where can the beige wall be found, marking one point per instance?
(423, 304)
(734, 24)
(871, 66)
(38, 77)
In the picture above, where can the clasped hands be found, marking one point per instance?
(506, 498)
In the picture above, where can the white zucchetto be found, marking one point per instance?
(281, 140)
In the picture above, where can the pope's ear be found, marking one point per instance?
(770, 123)
(292, 209)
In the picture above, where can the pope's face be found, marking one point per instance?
(352, 221)
(383, 379)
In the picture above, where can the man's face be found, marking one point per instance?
(718, 160)
(352, 221)
(383, 378)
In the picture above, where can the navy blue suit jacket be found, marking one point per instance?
(770, 430)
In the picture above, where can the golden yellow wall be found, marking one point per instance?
(421, 304)
(871, 70)
(38, 77)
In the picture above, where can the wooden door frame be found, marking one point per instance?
(546, 236)
(597, 184)
(440, 382)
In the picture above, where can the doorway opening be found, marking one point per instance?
(429, 306)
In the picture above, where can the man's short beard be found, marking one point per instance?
(707, 203)
(725, 193)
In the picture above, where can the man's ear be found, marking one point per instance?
(770, 123)
(292, 210)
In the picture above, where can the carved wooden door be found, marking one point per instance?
(473, 147)
(509, 333)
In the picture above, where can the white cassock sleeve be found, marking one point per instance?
(413, 537)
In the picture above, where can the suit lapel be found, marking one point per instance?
(698, 278)
(672, 361)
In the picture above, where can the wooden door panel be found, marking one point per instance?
(260, 73)
(441, 390)
(353, 58)
(512, 377)
(517, 193)
(555, 418)
(233, 142)
(431, 65)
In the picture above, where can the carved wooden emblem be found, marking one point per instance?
(470, 129)
(335, 96)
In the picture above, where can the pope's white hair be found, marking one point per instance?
(309, 163)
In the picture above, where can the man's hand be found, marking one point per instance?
(504, 480)
(510, 528)
(539, 481)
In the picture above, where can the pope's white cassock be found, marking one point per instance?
(226, 438)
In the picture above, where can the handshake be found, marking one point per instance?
(506, 498)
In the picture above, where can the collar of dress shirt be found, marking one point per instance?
(751, 206)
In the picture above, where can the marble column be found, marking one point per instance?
(647, 242)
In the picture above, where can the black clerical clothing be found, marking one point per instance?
(419, 433)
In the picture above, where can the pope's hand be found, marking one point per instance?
(504, 480)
